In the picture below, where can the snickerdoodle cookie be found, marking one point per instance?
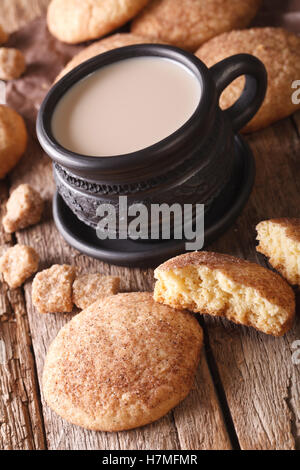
(104, 45)
(190, 23)
(13, 139)
(221, 285)
(88, 288)
(12, 63)
(123, 362)
(279, 240)
(75, 21)
(279, 50)
(24, 208)
(18, 263)
(3, 35)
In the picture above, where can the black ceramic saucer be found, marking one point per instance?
(222, 214)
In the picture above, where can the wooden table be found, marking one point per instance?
(247, 389)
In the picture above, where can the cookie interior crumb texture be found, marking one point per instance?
(279, 240)
(24, 208)
(17, 264)
(190, 23)
(13, 139)
(122, 363)
(279, 50)
(221, 285)
(75, 21)
(90, 287)
(12, 63)
(52, 289)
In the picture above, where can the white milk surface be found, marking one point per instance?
(126, 106)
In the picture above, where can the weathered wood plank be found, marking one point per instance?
(21, 424)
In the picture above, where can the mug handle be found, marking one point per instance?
(252, 97)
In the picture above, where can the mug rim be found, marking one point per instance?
(198, 121)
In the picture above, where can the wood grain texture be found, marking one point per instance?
(21, 424)
(253, 373)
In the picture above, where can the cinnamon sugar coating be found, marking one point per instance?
(24, 208)
(123, 362)
(17, 264)
(52, 289)
(88, 288)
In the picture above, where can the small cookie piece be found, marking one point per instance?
(13, 139)
(279, 240)
(17, 264)
(90, 287)
(75, 21)
(123, 362)
(52, 289)
(190, 23)
(3, 36)
(24, 208)
(99, 47)
(12, 63)
(221, 285)
(279, 50)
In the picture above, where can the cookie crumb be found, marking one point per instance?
(52, 289)
(24, 208)
(90, 287)
(12, 63)
(17, 264)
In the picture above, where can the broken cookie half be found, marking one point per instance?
(222, 285)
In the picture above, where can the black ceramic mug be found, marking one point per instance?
(193, 165)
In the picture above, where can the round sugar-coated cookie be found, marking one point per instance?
(279, 50)
(13, 139)
(123, 362)
(104, 45)
(190, 23)
(75, 21)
